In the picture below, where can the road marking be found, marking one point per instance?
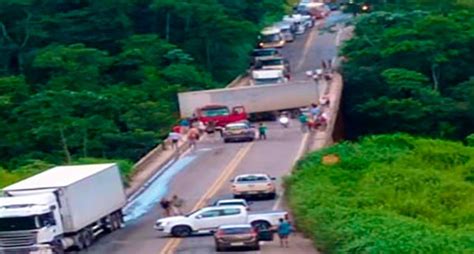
(306, 48)
(301, 148)
(173, 244)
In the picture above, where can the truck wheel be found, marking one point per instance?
(181, 231)
(87, 237)
(58, 247)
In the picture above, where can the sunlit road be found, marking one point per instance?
(192, 176)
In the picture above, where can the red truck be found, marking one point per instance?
(221, 114)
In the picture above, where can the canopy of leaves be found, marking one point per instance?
(387, 194)
(412, 72)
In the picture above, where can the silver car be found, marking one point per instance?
(238, 131)
(287, 29)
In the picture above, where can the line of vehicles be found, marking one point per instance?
(230, 220)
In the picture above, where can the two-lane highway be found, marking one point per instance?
(202, 175)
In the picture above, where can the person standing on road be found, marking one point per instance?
(166, 206)
(262, 131)
(304, 122)
(176, 204)
(284, 230)
(193, 136)
(175, 137)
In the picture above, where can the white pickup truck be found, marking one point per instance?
(207, 219)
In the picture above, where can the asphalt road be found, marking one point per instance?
(202, 175)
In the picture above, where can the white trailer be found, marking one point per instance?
(62, 207)
(255, 99)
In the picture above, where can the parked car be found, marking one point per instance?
(287, 29)
(268, 77)
(253, 185)
(240, 235)
(238, 131)
(227, 202)
(208, 219)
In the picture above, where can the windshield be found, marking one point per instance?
(215, 112)
(231, 203)
(285, 30)
(18, 223)
(260, 53)
(272, 62)
(251, 179)
(271, 38)
(267, 81)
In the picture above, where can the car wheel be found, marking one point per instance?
(219, 248)
(181, 231)
(226, 140)
(256, 247)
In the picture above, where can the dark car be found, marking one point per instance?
(236, 236)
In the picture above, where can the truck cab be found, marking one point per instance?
(27, 221)
(221, 114)
(268, 77)
(271, 37)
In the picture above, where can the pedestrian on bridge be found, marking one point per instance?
(262, 131)
(176, 205)
(166, 206)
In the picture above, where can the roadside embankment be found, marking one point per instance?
(386, 194)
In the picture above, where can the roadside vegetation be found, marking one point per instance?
(98, 79)
(387, 194)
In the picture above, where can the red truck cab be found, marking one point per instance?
(221, 114)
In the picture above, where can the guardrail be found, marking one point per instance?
(238, 81)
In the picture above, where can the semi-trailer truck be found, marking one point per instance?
(63, 207)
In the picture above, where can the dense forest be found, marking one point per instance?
(83, 78)
(410, 68)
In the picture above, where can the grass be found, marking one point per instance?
(388, 194)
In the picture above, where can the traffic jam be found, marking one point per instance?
(231, 221)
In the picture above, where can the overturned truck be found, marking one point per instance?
(260, 102)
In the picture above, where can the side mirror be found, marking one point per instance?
(198, 216)
(273, 178)
(231, 180)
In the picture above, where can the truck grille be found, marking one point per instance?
(17, 238)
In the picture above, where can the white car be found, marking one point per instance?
(208, 219)
(253, 185)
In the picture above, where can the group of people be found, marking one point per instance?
(171, 206)
(193, 130)
(317, 118)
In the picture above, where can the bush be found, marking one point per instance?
(388, 194)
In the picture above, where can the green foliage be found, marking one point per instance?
(405, 72)
(388, 194)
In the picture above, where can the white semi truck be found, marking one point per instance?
(65, 206)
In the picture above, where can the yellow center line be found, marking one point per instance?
(171, 246)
